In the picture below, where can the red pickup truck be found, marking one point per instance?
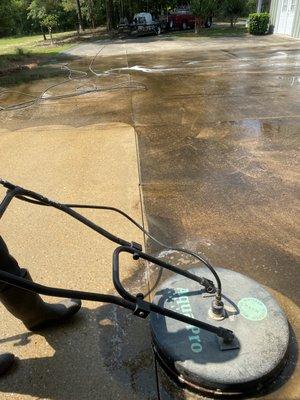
(181, 18)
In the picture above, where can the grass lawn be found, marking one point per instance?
(19, 52)
(213, 32)
(8, 45)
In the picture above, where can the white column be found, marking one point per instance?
(259, 6)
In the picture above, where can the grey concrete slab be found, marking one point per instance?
(104, 352)
(217, 137)
(169, 43)
(225, 183)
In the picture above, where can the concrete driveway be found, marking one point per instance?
(217, 137)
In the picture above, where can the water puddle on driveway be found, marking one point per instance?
(290, 80)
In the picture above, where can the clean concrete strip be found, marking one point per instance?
(96, 164)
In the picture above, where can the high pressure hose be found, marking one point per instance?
(79, 91)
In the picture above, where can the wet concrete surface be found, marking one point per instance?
(217, 132)
(220, 173)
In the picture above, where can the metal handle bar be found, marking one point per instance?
(8, 198)
(146, 307)
(139, 254)
(64, 293)
(139, 306)
(15, 191)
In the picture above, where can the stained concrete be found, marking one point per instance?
(217, 132)
(219, 172)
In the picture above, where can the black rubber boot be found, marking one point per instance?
(32, 310)
(6, 361)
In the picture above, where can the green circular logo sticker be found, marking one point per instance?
(252, 309)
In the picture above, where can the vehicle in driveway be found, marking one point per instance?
(142, 23)
(181, 18)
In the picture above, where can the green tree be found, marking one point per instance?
(80, 21)
(50, 21)
(90, 12)
(6, 17)
(109, 14)
(99, 12)
(251, 6)
(93, 12)
(202, 9)
(18, 10)
(39, 9)
(233, 9)
(75, 5)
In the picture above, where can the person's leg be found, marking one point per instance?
(7, 264)
(6, 361)
(27, 306)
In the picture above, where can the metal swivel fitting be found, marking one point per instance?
(217, 310)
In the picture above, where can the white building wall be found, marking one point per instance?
(296, 25)
(275, 12)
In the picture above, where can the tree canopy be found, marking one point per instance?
(233, 9)
(205, 8)
(27, 16)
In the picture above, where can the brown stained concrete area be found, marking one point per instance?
(219, 150)
(218, 139)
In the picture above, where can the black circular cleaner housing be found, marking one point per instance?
(199, 359)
